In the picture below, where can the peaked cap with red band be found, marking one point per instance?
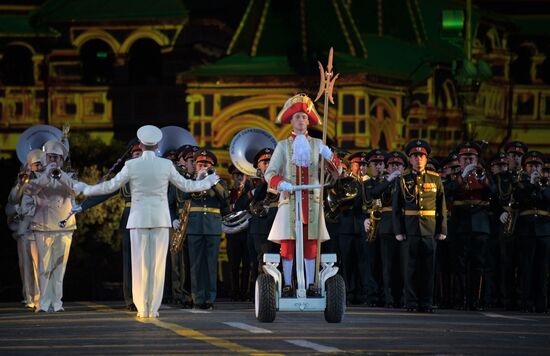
(532, 157)
(206, 156)
(298, 103)
(418, 146)
(358, 157)
(516, 146)
(468, 148)
(396, 157)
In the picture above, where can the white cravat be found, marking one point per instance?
(301, 151)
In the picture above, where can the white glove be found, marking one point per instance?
(504, 217)
(440, 237)
(79, 187)
(176, 224)
(325, 152)
(394, 175)
(212, 179)
(534, 176)
(366, 224)
(201, 174)
(400, 237)
(285, 187)
(468, 169)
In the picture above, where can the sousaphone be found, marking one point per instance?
(245, 145)
(173, 137)
(35, 137)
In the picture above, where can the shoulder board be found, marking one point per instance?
(432, 173)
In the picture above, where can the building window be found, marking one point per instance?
(70, 108)
(349, 105)
(97, 60)
(145, 62)
(16, 67)
(348, 127)
(99, 108)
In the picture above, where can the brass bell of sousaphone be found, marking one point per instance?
(35, 137)
(245, 145)
(173, 137)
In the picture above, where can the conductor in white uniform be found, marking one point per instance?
(149, 219)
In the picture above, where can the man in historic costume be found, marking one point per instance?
(204, 231)
(181, 266)
(471, 219)
(52, 193)
(419, 219)
(135, 151)
(240, 196)
(20, 219)
(263, 209)
(149, 219)
(295, 161)
(389, 247)
(533, 231)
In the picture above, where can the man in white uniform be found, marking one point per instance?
(149, 219)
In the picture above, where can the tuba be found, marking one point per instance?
(245, 145)
(173, 137)
(35, 137)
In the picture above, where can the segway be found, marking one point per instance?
(268, 298)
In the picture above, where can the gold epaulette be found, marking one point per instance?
(432, 173)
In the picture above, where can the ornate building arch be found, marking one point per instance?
(383, 123)
(142, 33)
(96, 34)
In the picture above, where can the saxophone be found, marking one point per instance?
(375, 216)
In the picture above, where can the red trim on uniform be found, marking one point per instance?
(204, 159)
(274, 182)
(418, 149)
(516, 149)
(135, 147)
(396, 159)
(468, 151)
(376, 158)
(499, 160)
(533, 159)
(358, 160)
(288, 247)
(264, 157)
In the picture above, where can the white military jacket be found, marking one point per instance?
(281, 168)
(149, 176)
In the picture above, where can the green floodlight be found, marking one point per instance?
(101, 54)
(452, 21)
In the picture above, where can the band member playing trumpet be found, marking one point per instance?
(389, 248)
(295, 161)
(533, 231)
(149, 219)
(471, 218)
(419, 219)
(53, 194)
(204, 231)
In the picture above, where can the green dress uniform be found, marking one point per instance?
(420, 213)
(533, 231)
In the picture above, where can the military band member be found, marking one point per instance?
(240, 196)
(263, 208)
(471, 219)
(53, 195)
(149, 219)
(204, 231)
(181, 265)
(295, 161)
(514, 152)
(389, 247)
(419, 218)
(533, 231)
(350, 234)
(377, 169)
(20, 221)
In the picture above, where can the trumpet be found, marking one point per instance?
(56, 173)
(479, 172)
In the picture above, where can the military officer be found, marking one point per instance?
(204, 232)
(53, 194)
(514, 152)
(471, 219)
(533, 231)
(263, 208)
(149, 219)
(419, 218)
(389, 248)
(181, 265)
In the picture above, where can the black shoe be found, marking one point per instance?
(187, 305)
(287, 292)
(209, 306)
(411, 308)
(426, 309)
(312, 291)
(131, 307)
(201, 306)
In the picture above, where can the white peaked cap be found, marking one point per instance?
(149, 135)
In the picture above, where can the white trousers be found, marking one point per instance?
(53, 253)
(149, 248)
(31, 289)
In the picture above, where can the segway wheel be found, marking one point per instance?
(336, 299)
(265, 303)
